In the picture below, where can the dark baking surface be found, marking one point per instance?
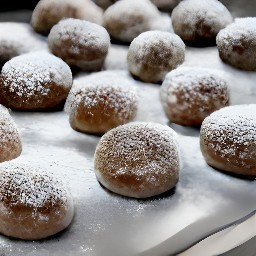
(107, 224)
(15, 5)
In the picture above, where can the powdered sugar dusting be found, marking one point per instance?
(117, 92)
(153, 53)
(203, 18)
(236, 43)
(162, 23)
(8, 128)
(30, 74)
(77, 40)
(18, 38)
(146, 152)
(21, 184)
(145, 40)
(126, 19)
(195, 91)
(48, 12)
(242, 26)
(10, 143)
(230, 129)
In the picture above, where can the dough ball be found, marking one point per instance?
(10, 143)
(189, 94)
(79, 43)
(100, 102)
(198, 22)
(47, 13)
(165, 5)
(237, 44)
(104, 3)
(227, 139)
(126, 19)
(18, 38)
(162, 23)
(35, 81)
(33, 203)
(138, 159)
(153, 54)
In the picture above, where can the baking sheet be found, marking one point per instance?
(109, 224)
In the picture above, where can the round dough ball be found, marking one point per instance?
(153, 54)
(18, 38)
(165, 5)
(237, 44)
(162, 23)
(79, 43)
(126, 19)
(47, 13)
(227, 139)
(198, 22)
(10, 143)
(35, 81)
(138, 159)
(189, 94)
(100, 102)
(33, 203)
(104, 3)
